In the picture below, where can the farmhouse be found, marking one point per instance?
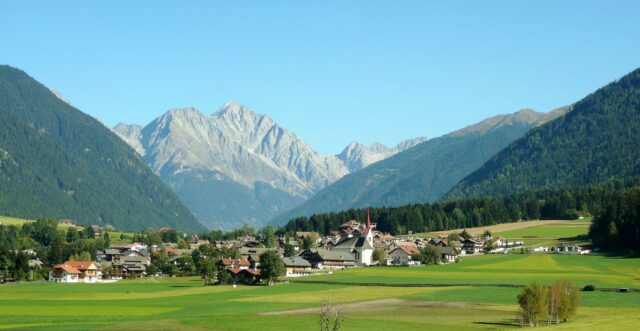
(401, 255)
(328, 259)
(245, 276)
(296, 266)
(239, 264)
(448, 254)
(74, 272)
(471, 246)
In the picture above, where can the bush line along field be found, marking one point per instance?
(185, 304)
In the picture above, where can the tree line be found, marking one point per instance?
(617, 226)
(45, 241)
(564, 203)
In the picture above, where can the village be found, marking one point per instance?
(354, 244)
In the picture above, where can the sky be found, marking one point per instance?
(330, 71)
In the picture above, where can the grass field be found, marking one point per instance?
(533, 233)
(184, 304)
(465, 296)
(13, 221)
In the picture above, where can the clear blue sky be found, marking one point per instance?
(330, 71)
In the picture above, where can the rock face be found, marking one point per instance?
(357, 156)
(238, 167)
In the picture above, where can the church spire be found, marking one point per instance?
(368, 221)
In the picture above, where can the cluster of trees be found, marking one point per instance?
(428, 255)
(617, 227)
(566, 203)
(49, 243)
(553, 304)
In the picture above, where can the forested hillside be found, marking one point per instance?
(617, 227)
(57, 161)
(597, 141)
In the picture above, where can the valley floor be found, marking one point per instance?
(185, 304)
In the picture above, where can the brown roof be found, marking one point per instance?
(67, 268)
(81, 265)
(242, 262)
(408, 249)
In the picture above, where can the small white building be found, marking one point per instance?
(401, 255)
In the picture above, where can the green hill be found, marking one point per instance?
(598, 140)
(425, 172)
(57, 161)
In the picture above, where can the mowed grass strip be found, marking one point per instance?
(505, 227)
(516, 269)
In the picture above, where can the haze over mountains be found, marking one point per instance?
(425, 172)
(239, 167)
(56, 161)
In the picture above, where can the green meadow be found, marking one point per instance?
(185, 304)
(5, 220)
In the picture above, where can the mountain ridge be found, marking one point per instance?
(246, 153)
(597, 141)
(425, 172)
(60, 162)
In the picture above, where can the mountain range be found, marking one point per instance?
(599, 140)
(238, 167)
(425, 172)
(56, 161)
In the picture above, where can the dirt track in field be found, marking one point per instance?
(378, 305)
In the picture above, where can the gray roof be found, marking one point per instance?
(447, 250)
(295, 261)
(353, 243)
(335, 255)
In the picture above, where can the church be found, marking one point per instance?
(361, 246)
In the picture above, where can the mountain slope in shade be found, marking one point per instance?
(57, 161)
(599, 140)
(425, 172)
(239, 167)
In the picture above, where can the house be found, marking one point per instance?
(471, 246)
(328, 259)
(239, 264)
(382, 238)
(296, 266)
(255, 252)
(401, 255)
(245, 276)
(63, 273)
(97, 231)
(360, 246)
(448, 254)
(66, 222)
(568, 249)
(74, 272)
